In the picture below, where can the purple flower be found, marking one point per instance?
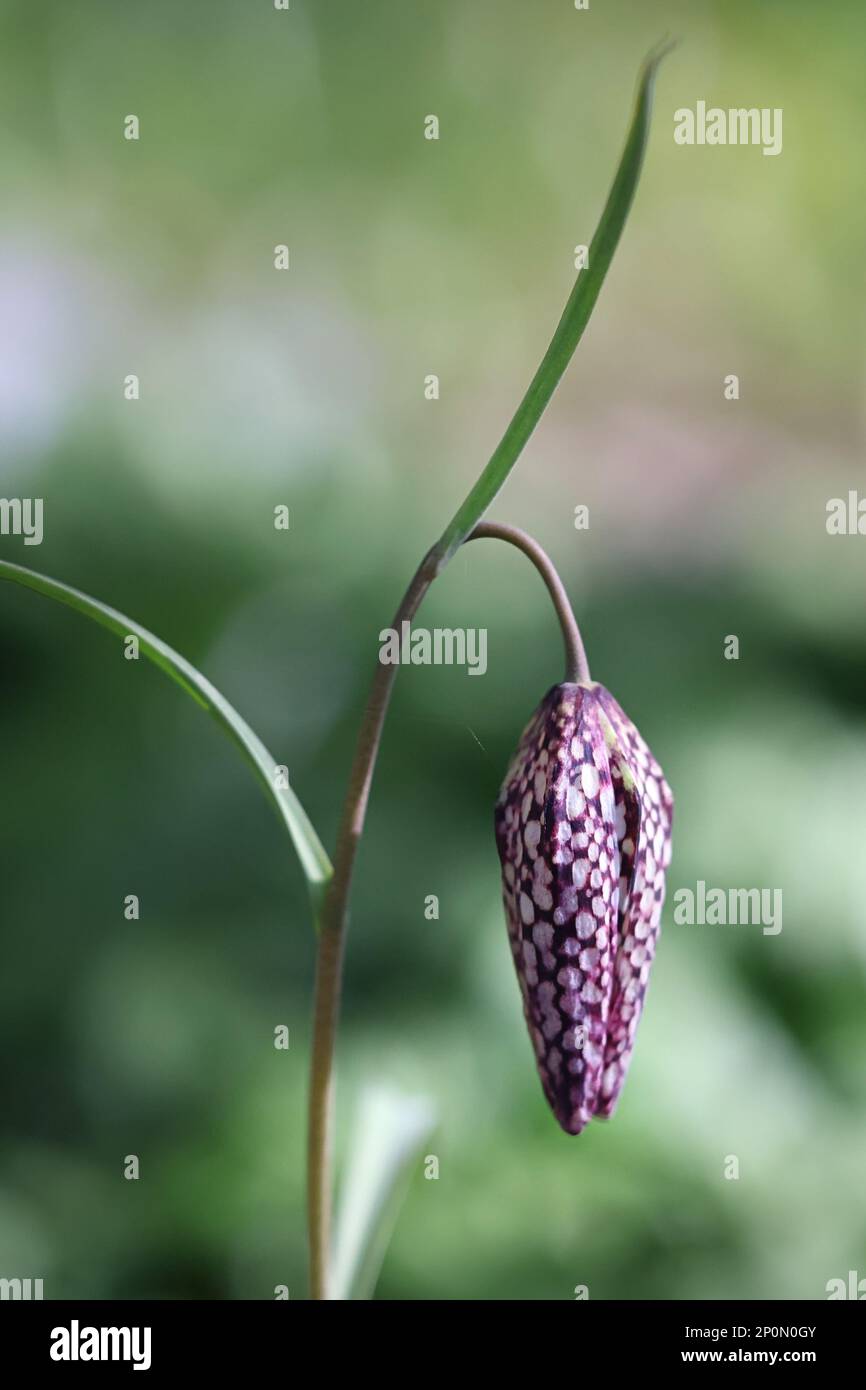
(583, 828)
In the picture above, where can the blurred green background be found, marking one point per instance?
(707, 518)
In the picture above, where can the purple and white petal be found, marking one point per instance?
(583, 832)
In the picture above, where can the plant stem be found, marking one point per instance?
(576, 664)
(334, 919)
(332, 936)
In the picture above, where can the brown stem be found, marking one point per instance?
(576, 665)
(332, 937)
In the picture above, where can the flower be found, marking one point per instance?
(583, 828)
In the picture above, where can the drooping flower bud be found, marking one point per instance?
(583, 828)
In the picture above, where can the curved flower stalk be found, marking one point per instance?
(583, 828)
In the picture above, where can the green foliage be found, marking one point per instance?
(314, 860)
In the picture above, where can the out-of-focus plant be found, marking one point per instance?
(393, 1128)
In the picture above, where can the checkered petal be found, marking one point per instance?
(648, 854)
(570, 824)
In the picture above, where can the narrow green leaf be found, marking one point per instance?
(575, 317)
(388, 1135)
(314, 860)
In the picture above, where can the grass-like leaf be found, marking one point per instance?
(575, 317)
(387, 1137)
(314, 861)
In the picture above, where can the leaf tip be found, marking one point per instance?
(656, 56)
